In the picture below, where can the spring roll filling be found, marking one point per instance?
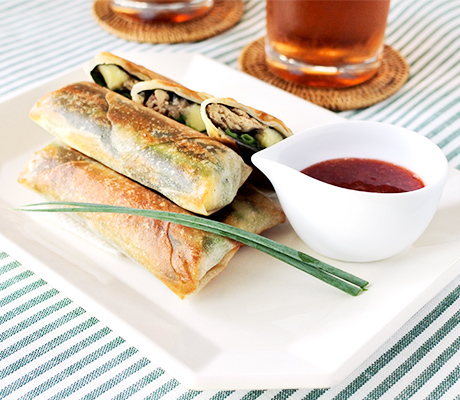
(115, 78)
(174, 106)
(242, 127)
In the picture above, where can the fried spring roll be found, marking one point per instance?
(172, 100)
(185, 259)
(241, 127)
(191, 169)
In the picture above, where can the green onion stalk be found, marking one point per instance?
(341, 280)
(244, 138)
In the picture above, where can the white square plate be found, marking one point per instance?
(260, 324)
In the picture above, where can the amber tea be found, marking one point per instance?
(162, 10)
(325, 42)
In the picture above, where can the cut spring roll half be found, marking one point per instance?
(191, 169)
(117, 74)
(172, 100)
(185, 259)
(242, 127)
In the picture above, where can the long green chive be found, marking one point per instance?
(327, 273)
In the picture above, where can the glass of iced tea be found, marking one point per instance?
(328, 43)
(162, 10)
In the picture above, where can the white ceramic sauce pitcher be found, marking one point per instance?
(351, 225)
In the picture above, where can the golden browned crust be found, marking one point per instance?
(251, 210)
(185, 259)
(172, 252)
(144, 145)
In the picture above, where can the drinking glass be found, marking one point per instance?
(162, 10)
(328, 43)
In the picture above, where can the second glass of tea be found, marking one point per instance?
(162, 10)
(326, 43)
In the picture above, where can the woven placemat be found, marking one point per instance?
(222, 16)
(392, 74)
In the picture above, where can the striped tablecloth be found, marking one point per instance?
(51, 348)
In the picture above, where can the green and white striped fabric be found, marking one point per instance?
(50, 348)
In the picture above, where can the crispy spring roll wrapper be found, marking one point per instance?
(232, 122)
(118, 74)
(185, 259)
(191, 169)
(134, 81)
(172, 100)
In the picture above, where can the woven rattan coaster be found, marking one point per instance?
(222, 16)
(392, 74)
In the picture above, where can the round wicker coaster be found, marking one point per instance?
(392, 74)
(222, 16)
